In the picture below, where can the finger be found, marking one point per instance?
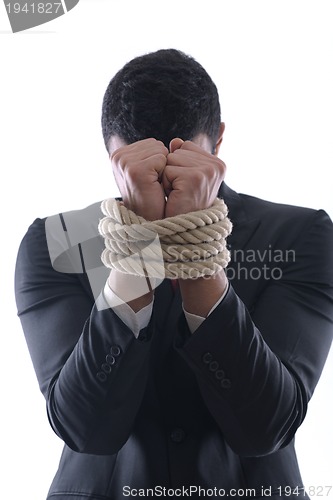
(146, 152)
(171, 173)
(146, 143)
(175, 144)
(149, 145)
(155, 163)
(184, 158)
(140, 150)
(127, 159)
(191, 146)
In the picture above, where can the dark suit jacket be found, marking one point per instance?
(215, 409)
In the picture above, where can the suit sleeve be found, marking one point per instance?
(257, 372)
(91, 369)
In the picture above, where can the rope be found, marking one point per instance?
(186, 246)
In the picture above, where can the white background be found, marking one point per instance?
(272, 62)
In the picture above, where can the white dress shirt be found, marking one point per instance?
(136, 321)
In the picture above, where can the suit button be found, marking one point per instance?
(115, 350)
(213, 366)
(177, 435)
(219, 374)
(207, 358)
(225, 383)
(110, 359)
(106, 368)
(101, 376)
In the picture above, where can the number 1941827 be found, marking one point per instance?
(312, 491)
(33, 8)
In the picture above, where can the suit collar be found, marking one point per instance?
(234, 202)
(243, 225)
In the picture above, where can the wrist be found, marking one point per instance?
(199, 295)
(136, 291)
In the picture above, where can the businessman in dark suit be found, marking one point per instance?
(185, 392)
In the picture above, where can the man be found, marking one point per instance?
(188, 392)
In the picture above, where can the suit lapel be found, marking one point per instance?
(243, 225)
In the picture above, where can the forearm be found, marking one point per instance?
(101, 383)
(255, 399)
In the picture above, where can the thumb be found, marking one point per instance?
(175, 144)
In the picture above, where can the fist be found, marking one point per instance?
(138, 170)
(191, 178)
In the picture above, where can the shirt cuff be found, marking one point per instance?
(195, 321)
(135, 321)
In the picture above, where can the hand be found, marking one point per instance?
(191, 178)
(138, 169)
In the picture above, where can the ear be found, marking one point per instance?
(219, 139)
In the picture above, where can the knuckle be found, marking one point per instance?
(221, 165)
(170, 158)
(123, 161)
(217, 168)
(178, 152)
(133, 174)
(119, 157)
(160, 146)
(211, 170)
(165, 150)
(149, 140)
(161, 158)
(197, 175)
(115, 156)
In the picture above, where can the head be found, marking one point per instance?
(164, 94)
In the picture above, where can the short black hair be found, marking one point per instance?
(163, 94)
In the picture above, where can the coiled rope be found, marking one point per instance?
(186, 246)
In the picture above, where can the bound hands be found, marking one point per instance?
(156, 182)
